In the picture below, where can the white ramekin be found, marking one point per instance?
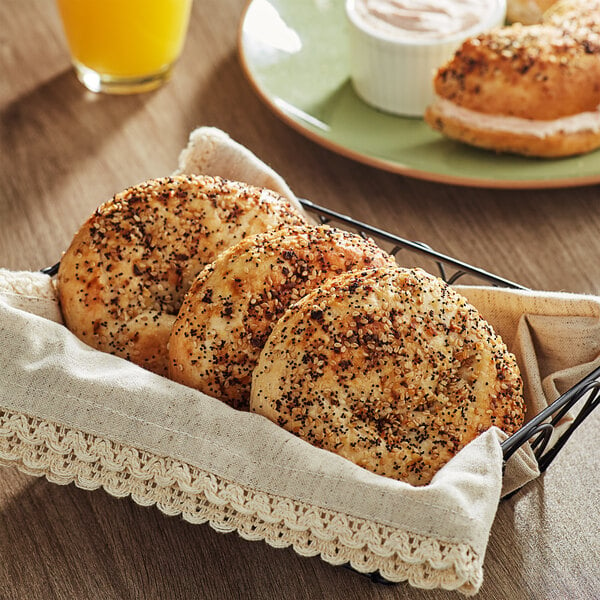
(396, 75)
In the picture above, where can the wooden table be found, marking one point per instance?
(64, 150)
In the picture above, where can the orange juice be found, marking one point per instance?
(124, 40)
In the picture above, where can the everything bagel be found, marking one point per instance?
(530, 90)
(234, 303)
(123, 278)
(390, 368)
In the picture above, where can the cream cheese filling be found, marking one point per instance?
(585, 121)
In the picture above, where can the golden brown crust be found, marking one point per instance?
(389, 368)
(540, 73)
(124, 276)
(552, 146)
(232, 306)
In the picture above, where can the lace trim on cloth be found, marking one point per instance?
(65, 455)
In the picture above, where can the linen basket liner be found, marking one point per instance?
(74, 414)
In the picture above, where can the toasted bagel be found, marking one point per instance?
(529, 90)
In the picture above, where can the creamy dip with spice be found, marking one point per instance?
(423, 19)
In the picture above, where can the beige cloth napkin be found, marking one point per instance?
(72, 413)
(210, 151)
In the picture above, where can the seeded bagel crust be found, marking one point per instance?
(123, 278)
(232, 306)
(390, 368)
(541, 73)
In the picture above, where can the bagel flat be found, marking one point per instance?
(528, 90)
(391, 369)
(231, 308)
(123, 278)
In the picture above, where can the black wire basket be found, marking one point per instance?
(538, 431)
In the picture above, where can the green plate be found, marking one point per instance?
(294, 53)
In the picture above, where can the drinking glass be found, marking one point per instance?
(124, 46)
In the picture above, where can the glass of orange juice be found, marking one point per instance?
(124, 46)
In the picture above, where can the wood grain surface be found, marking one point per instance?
(63, 151)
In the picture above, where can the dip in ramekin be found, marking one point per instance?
(396, 45)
